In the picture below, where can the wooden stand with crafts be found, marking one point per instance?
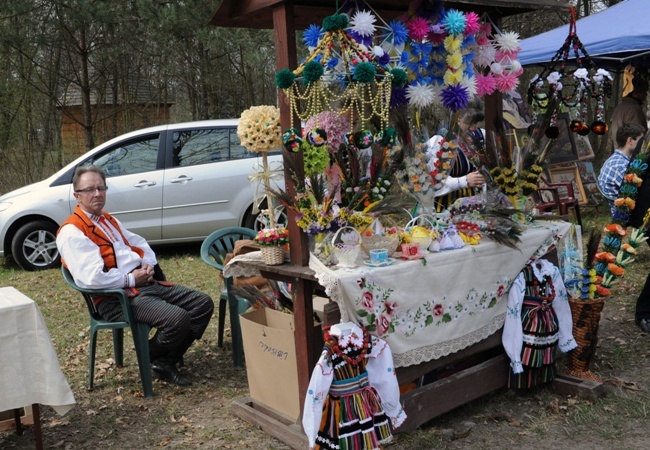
(435, 377)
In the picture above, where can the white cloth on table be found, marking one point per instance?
(430, 308)
(513, 335)
(30, 371)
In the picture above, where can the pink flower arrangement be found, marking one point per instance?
(272, 237)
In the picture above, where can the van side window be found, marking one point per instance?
(194, 147)
(130, 158)
(238, 151)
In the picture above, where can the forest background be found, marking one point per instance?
(61, 53)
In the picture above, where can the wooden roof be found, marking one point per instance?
(259, 13)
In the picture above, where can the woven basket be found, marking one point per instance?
(346, 245)
(586, 317)
(423, 242)
(376, 241)
(272, 255)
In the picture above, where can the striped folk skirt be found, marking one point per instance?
(539, 350)
(353, 418)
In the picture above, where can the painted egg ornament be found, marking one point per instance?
(363, 139)
(291, 139)
(419, 232)
(317, 137)
(349, 139)
(584, 130)
(575, 125)
(599, 127)
(552, 132)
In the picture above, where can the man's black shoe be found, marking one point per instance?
(169, 373)
(644, 324)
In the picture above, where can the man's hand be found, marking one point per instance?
(475, 179)
(143, 275)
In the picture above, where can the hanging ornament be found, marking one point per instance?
(578, 88)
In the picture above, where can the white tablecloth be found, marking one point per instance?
(29, 371)
(427, 310)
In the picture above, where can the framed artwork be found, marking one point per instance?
(586, 170)
(583, 147)
(562, 148)
(569, 175)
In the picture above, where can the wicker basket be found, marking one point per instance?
(423, 242)
(273, 255)
(586, 317)
(376, 241)
(346, 245)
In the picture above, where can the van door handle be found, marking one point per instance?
(181, 179)
(145, 183)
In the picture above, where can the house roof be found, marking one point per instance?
(142, 94)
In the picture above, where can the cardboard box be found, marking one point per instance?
(270, 352)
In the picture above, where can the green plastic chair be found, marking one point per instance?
(214, 250)
(140, 332)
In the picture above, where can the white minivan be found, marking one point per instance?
(170, 184)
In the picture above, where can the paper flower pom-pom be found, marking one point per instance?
(453, 78)
(418, 28)
(484, 55)
(335, 22)
(316, 137)
(312, 71)
(400, 33)
(420, 95)
(455, 60)
(599, 127)
(259, 129)
(399, 77)
(472, 23)
(365, 72)
(508, 41)
(452, 43)
(454, 22)
(291, 139)
(485, 84)
(284, 79)
(506, 82)
(398, 97)
(363, 22)
(312, 35)
(454, 97)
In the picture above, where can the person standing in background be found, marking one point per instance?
(630, 110)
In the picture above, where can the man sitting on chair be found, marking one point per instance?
(101, 254)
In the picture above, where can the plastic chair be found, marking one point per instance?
(562, 198)
(140, 332)
(214, 250)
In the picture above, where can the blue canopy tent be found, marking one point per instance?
(613, 38)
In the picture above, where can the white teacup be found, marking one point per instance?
(378, 256)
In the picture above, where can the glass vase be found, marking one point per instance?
(320, 246)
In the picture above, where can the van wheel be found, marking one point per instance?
(34, 246)
(258, 221)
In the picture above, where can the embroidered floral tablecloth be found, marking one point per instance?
(431, 307)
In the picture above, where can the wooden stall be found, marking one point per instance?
(285, 17)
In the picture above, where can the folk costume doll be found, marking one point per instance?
(538, 322)
(353, 392)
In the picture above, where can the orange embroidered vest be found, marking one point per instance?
(80, 220)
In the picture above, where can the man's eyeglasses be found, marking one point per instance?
(91, 190)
